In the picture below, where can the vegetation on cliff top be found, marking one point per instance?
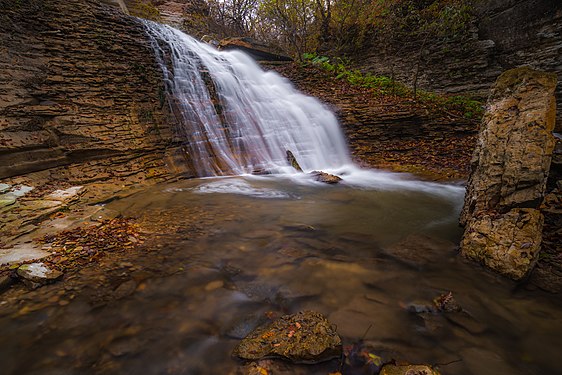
(468, 107)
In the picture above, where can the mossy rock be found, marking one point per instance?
(306, 337)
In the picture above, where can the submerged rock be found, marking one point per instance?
(35, 275)
(408, 370)
(508, 243)
(447, 303)
(503, 224)
(306, 337)
(325, 177)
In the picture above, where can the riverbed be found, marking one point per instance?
(370, 253)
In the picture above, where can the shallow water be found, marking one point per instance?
(359, 252)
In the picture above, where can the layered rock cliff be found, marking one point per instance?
(503, 34)
(79, 88)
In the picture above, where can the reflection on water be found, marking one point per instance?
(359, 253)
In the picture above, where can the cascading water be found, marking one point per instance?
(237, 118)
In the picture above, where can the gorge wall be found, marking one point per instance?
(81, 95)
(502, 35)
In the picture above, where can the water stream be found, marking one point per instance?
(271, 245)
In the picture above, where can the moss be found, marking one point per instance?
(511, 79)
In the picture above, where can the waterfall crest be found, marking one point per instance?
(236, 118)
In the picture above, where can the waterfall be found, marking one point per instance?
(236, 118)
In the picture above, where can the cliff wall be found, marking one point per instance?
(502, 35)
(80, 94)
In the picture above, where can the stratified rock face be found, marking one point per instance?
(306, 337)
(509, 171)
(79, 86)
(503, 34)
(259, 51)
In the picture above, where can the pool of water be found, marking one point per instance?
(361, 253)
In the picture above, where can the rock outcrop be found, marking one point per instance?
(80, 91)
(259, 51)
(502, 34)
(503, 223)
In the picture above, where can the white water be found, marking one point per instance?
(260, 115)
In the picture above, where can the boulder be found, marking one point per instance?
(325, 177)
(259, 51)
(503, 224)
(305, 337)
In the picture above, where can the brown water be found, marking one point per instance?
(357, 254)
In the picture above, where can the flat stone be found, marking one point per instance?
(305, 337)
(4, 188)
(64, 195)
(408, 370)
(37, 274)
(21, 253)
(7, 200)
(105, 214)
(21, 191)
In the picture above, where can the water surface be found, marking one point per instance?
(359, 252)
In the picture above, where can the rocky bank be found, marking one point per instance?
(501, 213)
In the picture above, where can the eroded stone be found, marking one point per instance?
(503, 225)
(507, 243)
(325, 177)
(305, 337)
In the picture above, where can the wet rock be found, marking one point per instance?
(447, 303)
(125, 289)
(419, 250)
(21, 253)
(507, 243)
(105, 214)
(293, 161)
(408, 370)
(503, 224)
(4, 188)
(5, 282)
(259, 51)
(325, 177)
(35, 275)
(466, 321)
(7, 200)
(306, 337)
(67, 194)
